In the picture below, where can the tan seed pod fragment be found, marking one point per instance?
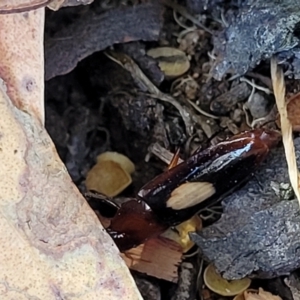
(241, 296)
(215, 282)
(261, 295)
(173, 62)
(181, 233)
(108, 177)
(119, 158)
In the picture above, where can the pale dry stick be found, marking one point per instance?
(200, 271)
(234, 77)
(211, 55)
(201, 111)
(184, 33)
(258, 87)
(142, 80)
(286, 127)
(224, 21)
(245, 106)
(178, 21)
(162, 153)
(191, 254)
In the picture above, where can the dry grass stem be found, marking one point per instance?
(286, 126)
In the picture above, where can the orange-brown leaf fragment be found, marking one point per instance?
(158, 257)
(261, 295)
(293, 110)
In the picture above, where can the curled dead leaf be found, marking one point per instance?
(111, 175)
(108, 178)
(118, 158)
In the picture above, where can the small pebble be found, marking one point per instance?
(259, 105)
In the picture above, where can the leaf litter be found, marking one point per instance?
(133, 108)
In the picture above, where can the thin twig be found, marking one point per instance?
(258, 87)
(180, 9)
(201, 111)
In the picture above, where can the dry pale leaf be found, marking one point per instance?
(286, 127)
(52, 245)
(261, 295)
(48, 231)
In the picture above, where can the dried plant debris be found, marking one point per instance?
(157, 257)
(94, 32)
(137, 51)
(145, 85)
(261, 29)
(258, 232)
(202, 6)
(261, 295)
(224, 103)
(148, 286)
(293, 283)
(286, 126)
(186, 288)
(242, 295)
(111, 175)
(293, 110)
(137, 110)
(57, 4)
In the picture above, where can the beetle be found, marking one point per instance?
(182, 191)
